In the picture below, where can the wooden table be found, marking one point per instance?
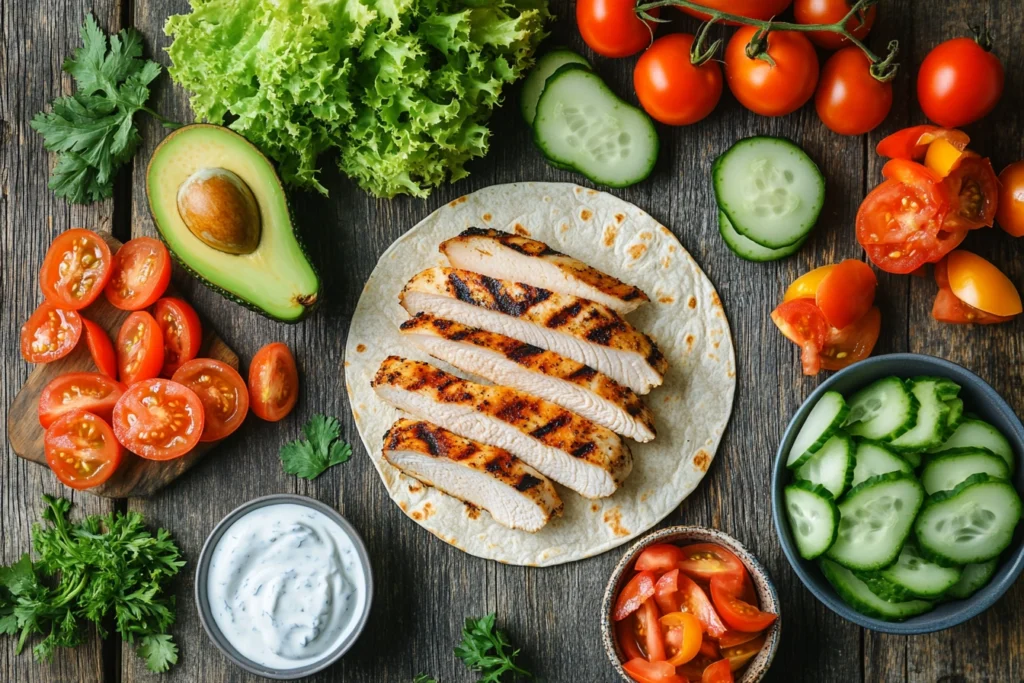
(424, 587)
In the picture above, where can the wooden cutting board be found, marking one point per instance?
(136, 476)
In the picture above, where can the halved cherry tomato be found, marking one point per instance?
(912, 143)
(612, 28)
(943, 157)
(659, 558)
(181, 330)
(1010, 207)
(81, 450)
(973, 193)
(642, 671)
(683, 637)
(981, 285)
(806, 286)
(89, 391)
(739, 655)
(832, 12)
(625, 632)
(273, 382)
(648, 621)
(100, 348)
(846, 294)
(222, 391)
(803, 323)
(665, 591)
(670, 88)
(719, 672)
(140, 275)
(733, 638)
(772, 89)
(959, 82)
(140, 348)
(740, 615)
(707, 560)
(694, 600)
(633, 595)
(158, 419)
(853, 343)
(76, 269)
(849, 100)
(947, 308)
(49, 333)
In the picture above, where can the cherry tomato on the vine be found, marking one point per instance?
(832, 12)
(772, 89)
(670, 88)
(611, 27)
(959, 82)
(850, 101)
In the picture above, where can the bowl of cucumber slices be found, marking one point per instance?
(896, 494)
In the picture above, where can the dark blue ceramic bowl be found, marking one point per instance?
(979, 398)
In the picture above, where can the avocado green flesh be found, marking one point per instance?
(276, 279)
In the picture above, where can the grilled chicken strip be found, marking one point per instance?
(579, 329)
(506, 256)
(516, 495)
(575, 452)
(512, 363)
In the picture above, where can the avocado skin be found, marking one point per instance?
(187, 267)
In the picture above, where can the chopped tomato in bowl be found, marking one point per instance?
(682, 605)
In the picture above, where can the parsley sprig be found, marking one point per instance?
(487, 650)
(85, 572)
(322, 448)
(93, 130)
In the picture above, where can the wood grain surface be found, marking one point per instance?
(426, 588)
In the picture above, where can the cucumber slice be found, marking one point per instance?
(533, 86)
(770, 189)
(813, 518)
(950, 469)
(882, 410)
(857, 595)
(956, 416)
(970, 524)
(875, 520)
(822, 422)
(947, 388)
(930, 427)
(884, 589)
(973, 578)
(748, 249)
(975, 433)
(582, 125)
(874, 459)
(916, 577)
(831, 467)
(913, 458)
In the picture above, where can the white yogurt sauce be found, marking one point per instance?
(285, 585)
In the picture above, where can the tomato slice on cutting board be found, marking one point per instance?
(81, 450)
(181, 330)
(90, 391)
(50, 333)
(140, 275)
(100, 348)
(738, 614)
(140, 348)
(222, 391)
(75, 270)
(273, 382)
(158, 419)
(803, 323)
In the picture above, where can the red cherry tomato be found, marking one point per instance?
(73, 391)
(739, 655)
(733, 638)
(1010, 207)
(832, 12)
(846, 294)
(659, 558)
(987, 283)
(643, 671)
(612, 28)
(694, 600)
(633, 595)
(959, 82)
(141, 273)
(803, 323)
(705, 560)
(158, 419)
(100, 348)
(648, 619)
(49, 333)
(222, 391)
(912, 143)
(181, 330)
(670, 88)
(81, 450)
(853, 343)
(625, 632)
(738, 614)
(719, 672)
(273, 382)
(754, 9)
(972, 189)
(76, 269)
(849, 100)
(772, 90)
(140, 348)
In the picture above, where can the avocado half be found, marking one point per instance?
(223, 213)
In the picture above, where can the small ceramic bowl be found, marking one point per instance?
(686, 535)
(202, 599)
(979, 398)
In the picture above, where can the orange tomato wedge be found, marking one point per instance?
(692, 636)
(942, 157)
(806, 286)
(980, 284)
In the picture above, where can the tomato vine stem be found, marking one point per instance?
(882, 68)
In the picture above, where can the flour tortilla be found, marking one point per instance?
(684, 317)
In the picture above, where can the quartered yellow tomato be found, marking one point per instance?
(806, 286)
(942, 157)
(980, 284)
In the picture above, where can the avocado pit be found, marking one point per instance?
(219, 208)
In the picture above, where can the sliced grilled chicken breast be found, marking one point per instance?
(576, 328)
(506, 256)
(516, 495)
(575, 452)
(510, 362)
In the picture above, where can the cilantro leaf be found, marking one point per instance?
(485, 649)
(93, 130)
(322, 448)
(159, 651)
